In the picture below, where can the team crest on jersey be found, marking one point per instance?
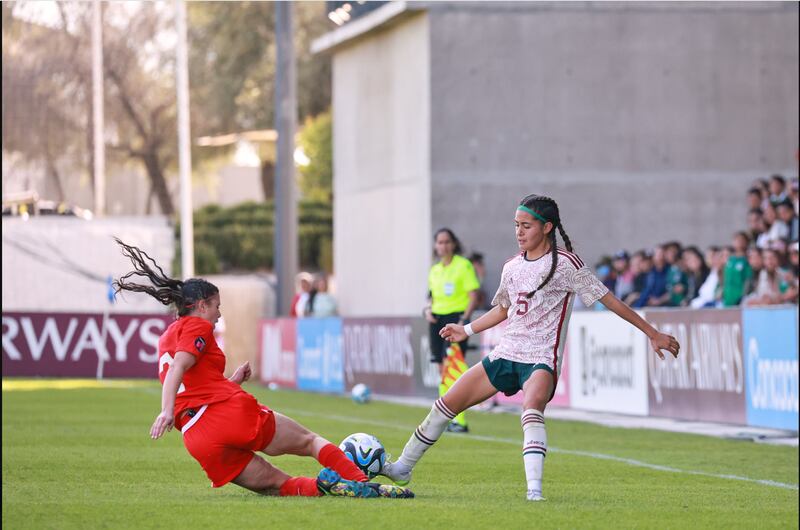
(200, 344)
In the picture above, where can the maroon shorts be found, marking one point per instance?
(222, 436)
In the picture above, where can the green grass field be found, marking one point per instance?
(82, 458)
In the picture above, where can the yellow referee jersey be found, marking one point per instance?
(450, 285)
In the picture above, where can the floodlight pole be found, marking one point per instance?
(97, 111)
(184, 145)
(285, 255)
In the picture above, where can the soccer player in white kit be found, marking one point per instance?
(537, 289)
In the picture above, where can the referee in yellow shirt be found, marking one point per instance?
(453, 296)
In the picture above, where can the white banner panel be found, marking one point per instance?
(607, 364)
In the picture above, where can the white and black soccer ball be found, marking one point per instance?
(366, 452)
(361, 393)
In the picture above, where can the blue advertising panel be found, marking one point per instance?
(320, 363)
(770, 342)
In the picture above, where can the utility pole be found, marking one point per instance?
(97, 111)
(184, 144)
(285, 243)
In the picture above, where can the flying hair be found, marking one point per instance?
(169, 291)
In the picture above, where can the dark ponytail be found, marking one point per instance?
(182, 295)
(547, 209)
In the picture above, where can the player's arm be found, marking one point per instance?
(473, 303)
(166, 419)
(659, 341)
(456, 333)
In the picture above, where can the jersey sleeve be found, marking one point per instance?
(195, 337)
(501, 296)
(585, 284)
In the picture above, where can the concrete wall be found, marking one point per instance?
(61, 263)
(646, 122)
(382, 171)
(245, 300)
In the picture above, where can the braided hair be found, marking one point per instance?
(548, 209)
(182, 295)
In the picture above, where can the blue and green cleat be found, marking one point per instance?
(330, 482)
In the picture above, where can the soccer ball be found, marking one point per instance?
(361, 393)
(366, 452)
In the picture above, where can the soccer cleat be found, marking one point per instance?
(330, 482)
(392, 492)
(457, 427)
(398, 472)
(534, 495)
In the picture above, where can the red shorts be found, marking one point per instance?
(224, 436)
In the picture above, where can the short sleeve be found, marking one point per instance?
(471, 282)
(586, 285)
(501, 296)
(196, 336)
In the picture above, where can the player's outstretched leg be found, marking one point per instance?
(330, 482)
(534, 449)
(424, 437)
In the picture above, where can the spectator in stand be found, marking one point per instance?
(763, 186)
(641, 263)
(677, 281)
(655, 289)
(696, 272)
(785, 211)
(320, 301)
(300, 300)
(710, 292)
(776, 228)
(605, 273)
(754, 198)
(755, 224)
(756, 261)
(794, 196)
(738, 274)
(773, 285)
(794, 260)
(623, 285)
(777, 189)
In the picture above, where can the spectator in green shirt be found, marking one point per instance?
(738, 273)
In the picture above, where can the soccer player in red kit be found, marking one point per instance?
(222, 425)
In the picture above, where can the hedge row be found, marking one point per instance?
(239, 238)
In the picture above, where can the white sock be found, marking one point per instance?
(426, 434)
(534, 448)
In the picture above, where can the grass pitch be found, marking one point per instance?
(79, 456)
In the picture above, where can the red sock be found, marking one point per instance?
(333, 457)
(300, 486)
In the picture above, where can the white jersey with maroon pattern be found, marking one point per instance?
(536, 330)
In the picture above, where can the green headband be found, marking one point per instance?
(528, 210)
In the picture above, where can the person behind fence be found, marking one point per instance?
(537, 287)
(452, 297)
(300, 300)
(737, 275)
(320, 302)
(223, 426)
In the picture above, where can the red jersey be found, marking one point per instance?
(203, 383)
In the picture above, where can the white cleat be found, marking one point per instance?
(397, 472)
(534, 495)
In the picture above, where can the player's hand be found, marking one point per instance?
(453, 333)
(163, 423)
(429, 315)
(242, 373)
(662, 341)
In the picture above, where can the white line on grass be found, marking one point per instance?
(598, 456)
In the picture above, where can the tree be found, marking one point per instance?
(316, 139)
(232, 63)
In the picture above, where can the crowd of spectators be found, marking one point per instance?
(759, 267)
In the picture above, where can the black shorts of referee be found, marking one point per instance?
(438, 344)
